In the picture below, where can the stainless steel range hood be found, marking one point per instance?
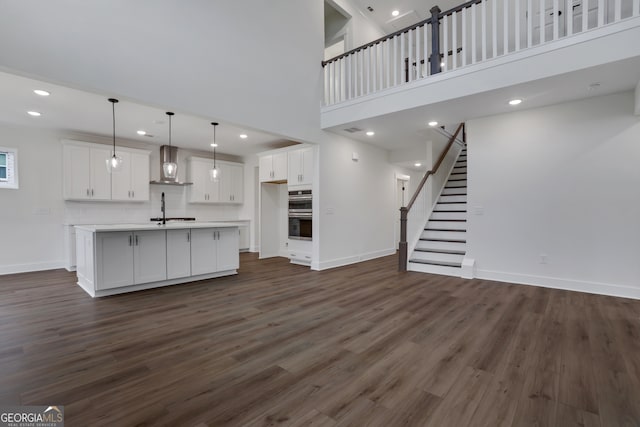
(167, 153)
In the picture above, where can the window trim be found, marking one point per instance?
(14, 184)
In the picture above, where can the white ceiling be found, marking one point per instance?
(74, 111)
(411, 11)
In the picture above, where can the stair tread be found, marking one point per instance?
(441, 263)
(456, 230)
(443, 240)
(440, 251)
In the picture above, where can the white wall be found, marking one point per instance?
(357, 204)
(559, 182)
(32, 218)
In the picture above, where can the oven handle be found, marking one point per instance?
(301, 197)
(295, 215)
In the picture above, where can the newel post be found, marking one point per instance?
(402, 247)
(435, 40)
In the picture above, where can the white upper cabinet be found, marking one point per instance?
(300, 167)
(85, 173)
(86, 176)
(229, 188)
(231, 182)
(273, 167)
(132, 182)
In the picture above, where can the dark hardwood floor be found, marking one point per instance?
(361, 345)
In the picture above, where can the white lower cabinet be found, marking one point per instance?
(149, 256)
(114, 259)
(214, 250)
(130, 258)
(178, 253)
(228, 248)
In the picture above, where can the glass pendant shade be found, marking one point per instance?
(170, 169)
(114, 164)
(214, 174)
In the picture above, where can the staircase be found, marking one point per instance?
(442, 245)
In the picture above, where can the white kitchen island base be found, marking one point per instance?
(113, 259)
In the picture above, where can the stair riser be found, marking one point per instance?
(449, 215)
(441, 246)
(437, 258)
(457, 176)
(434, 269)
(450, 191)
(446, 225)
(444, 235)
(450, 199)
(462, 207)
(456, 184)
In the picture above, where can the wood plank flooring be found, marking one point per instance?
(361, 345)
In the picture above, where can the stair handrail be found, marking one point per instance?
(404, 211)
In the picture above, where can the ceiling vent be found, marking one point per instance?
(353, 130)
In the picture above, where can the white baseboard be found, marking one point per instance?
(35, 266)
(565, 284)
(339, 262)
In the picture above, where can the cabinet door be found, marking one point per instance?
(178, 253)
(139, 177)
(114, 255)
(121, 180)
(150, 256)
(237, 183)
(280, 167)
(203, 251)
(295, 170)
(100, 176)
(231, 183)
(228, 249)
(77, 172)
(306, 164)
(196, 174)
(265, 166)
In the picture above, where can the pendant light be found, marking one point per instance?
(114, 163)
(214, 173)
(170, 168)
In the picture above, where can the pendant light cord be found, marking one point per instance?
(170, 150)
(113, 115)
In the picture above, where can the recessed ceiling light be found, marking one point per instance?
(442, 64)
(418, 165)
(214, 145)
(244, 136)
(515, 101)
(433, 123)
(41, 92)
(34, 113)
(141, 132)
(371, 133)
(395, 13)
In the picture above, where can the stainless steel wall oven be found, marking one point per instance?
(300, 215)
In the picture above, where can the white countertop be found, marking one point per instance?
(175, 225)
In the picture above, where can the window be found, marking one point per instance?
(8, 167)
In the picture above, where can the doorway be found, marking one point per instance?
(336, 28)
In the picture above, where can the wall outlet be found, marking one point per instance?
(543, 258)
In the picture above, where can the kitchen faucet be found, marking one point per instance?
(162, 208)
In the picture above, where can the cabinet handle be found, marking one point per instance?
(136, 240)
(129, 239)
(87, 191)
(133, 194)
(188, 236)
(92, 192)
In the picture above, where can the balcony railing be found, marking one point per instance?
(467, 34)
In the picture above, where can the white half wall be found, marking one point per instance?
(553, 196)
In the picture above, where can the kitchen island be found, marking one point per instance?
(118, 258)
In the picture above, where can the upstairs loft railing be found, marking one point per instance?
(413, 216)
(467, 34)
